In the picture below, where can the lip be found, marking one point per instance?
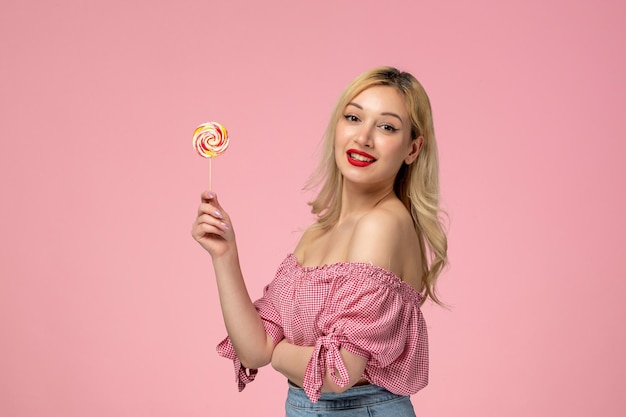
(358, 163)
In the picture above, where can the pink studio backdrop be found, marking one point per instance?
(107, 306)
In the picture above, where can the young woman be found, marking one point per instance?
(341, 319)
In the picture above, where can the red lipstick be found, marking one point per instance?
(364, 160)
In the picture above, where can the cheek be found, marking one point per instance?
(398, 152)
(341, 135)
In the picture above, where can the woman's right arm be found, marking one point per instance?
(213, 230)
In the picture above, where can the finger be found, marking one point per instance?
(206, 208)
(204, 231)
(208, 226)
(216, 202)
(213, 222)
(207, 196)
(210, 197)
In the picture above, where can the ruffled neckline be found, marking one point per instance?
(384, 275)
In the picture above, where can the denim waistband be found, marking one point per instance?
(359, 396)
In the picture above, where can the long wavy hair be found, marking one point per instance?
(416, 185)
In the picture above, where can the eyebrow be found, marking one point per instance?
(358, 106)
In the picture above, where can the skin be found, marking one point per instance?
(373, 227)
(213, 230)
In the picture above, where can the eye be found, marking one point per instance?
(388, 128)
(351, 117)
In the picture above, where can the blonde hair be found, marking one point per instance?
(416, 185)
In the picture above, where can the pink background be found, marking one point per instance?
(107, 306)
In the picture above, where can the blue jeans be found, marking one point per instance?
(360, 401)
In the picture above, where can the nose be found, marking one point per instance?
(364, 136)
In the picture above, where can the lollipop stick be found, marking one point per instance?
(210, 174)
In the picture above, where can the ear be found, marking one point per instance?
(415, 148)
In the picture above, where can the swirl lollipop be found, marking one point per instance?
(210, 140)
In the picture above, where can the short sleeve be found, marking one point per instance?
(374, 315)
(273, 327)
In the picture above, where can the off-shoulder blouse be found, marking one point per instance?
(363, 308)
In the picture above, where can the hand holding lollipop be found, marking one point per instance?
(210, 140)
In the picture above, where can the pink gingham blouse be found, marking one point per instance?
(363, 308)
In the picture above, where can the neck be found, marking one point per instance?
(356, 200)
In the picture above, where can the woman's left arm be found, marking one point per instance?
(292, 361)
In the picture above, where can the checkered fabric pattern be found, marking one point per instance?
(363, 308)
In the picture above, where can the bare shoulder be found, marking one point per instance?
(311, 234)
(386, 237)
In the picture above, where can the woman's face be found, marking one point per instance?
(373, 137)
